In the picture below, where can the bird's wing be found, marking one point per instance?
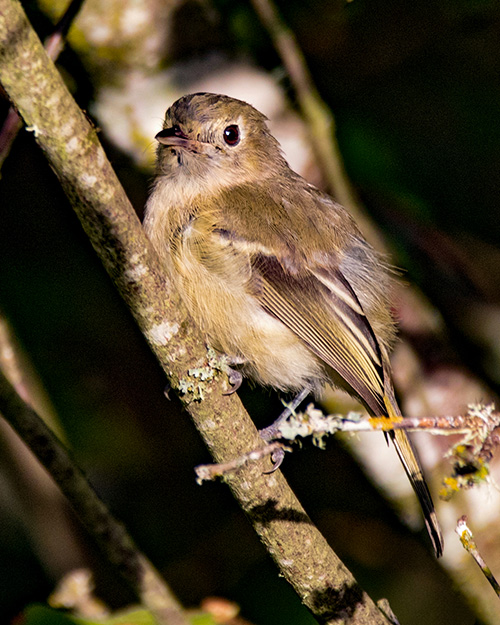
(319, 305)
(321, 308)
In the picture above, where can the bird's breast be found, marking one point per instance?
(214, 278)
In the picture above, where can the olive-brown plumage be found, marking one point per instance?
(272, 270)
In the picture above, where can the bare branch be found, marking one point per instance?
(469, 544)
(469, 456)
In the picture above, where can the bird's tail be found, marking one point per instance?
(411, 464)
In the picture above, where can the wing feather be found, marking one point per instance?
(326, 314)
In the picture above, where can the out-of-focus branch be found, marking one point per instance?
(20, 373)
(57, 544)
(11, 126)
(318, 117)
(54, 46)
(109, 534)
(305, 559)
(469, 544)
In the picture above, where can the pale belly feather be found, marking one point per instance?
(216, 293)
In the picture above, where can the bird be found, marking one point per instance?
(275, 273)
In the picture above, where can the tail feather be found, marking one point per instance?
(413, 470)
(411, 464)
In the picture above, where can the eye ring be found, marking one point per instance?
(232, 135)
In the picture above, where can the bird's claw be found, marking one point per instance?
(268, 434)
(272, 432)
(167, 389)
(277, 458)
(235, 379)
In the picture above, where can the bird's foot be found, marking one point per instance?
(273, 431)
(235, 379)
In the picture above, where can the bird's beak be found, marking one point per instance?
(174, 137)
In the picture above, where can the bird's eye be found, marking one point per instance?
(232, 135)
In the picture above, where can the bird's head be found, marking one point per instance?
(216, 138)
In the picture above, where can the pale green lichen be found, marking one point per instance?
(190, 387)
(471, 455)
(314, 423)
(161, 333)
(195, 383)
(203, 373)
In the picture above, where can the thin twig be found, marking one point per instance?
(55, 43)
(475, 450)
(206, 472)
(480, 421)
(469, 544)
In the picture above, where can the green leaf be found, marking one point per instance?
(43, 615)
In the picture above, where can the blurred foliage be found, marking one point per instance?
(40, 615)
(415, 91)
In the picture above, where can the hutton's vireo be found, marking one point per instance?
(275, 272)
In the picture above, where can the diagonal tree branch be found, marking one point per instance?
(323, 583)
